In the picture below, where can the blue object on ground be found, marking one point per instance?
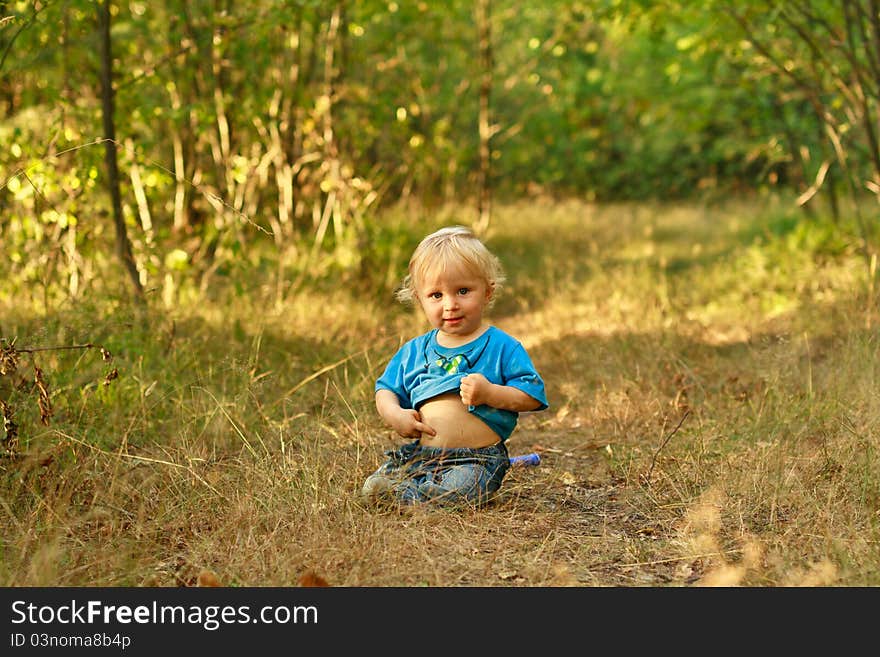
(526, 459)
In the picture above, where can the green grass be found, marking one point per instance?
(712, 372)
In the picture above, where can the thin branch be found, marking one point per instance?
(864, 20)
(764, 49)
(87, 345)
(867, 119)
(18, 32)
(663, 444)
(875, 32)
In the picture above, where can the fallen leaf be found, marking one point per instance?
(312, 579)
(207, 578)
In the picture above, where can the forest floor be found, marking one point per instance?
(712, 376)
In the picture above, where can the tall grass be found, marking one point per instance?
(712, 373)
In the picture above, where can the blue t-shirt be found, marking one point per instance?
(423, 369)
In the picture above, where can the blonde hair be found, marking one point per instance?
(445, 249)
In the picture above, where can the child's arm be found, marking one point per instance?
(405, 421)
(476, 390)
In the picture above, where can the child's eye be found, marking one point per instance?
(435, 295)
(463, 290)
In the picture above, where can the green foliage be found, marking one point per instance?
(286, 126)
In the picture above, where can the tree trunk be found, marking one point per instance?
(123, 246)
(484, 182)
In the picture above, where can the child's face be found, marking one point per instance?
(454, 301)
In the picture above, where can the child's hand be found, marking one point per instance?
(408, 423)
(474, 389)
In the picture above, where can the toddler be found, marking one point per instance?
(457, 390)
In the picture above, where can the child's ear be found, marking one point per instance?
(490, 290)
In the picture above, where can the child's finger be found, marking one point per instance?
(424, 428)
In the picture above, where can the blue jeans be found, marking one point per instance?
(445, 475)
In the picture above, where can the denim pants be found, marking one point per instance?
(445, 475)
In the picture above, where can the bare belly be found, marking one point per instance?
(455, 426)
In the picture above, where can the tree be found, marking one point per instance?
(830, 53)
(123, 245)
(483, 14)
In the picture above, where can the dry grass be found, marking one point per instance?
(714, 421)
